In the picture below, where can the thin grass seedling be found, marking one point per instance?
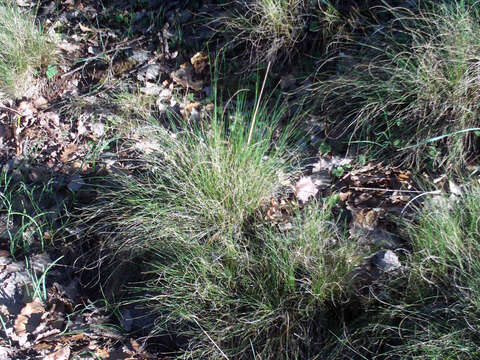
(39, 289)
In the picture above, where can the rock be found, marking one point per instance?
(98, 129)
(386, 260)
(151, 89)
(149, 72)
(76, 183)
(139, 56)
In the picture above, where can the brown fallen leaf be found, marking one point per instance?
(366, 218)
(61, 354)
(184, 77)
(199, 62)
(28, 320)
(68, 153)
(305, 188)
(344, 196)
(102, 352)
(84, 28)
(136, 346)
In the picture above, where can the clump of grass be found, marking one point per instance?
(262, 296)
(420, 83)
(220, 278)
(203, 180)
(271, 28)
(25, 50)
(446, 242)
(31, 213)
(431, 312)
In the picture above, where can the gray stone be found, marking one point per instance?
(149, 72)
(139, 56)
(76, 183)
(98, 129)
(386, 260)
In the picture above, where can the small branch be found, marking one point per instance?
(435, 192)
(258, 104)
(10, 109)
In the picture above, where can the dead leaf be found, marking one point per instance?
(61, 354)
(28, 320)
(68, 153)
(84, 28)
(305, 188)
(102, 352)
(366, 218)
(344, 195)
(136, 346)
(68, 47)
(199, 62)
(184, 77)
(403, 177)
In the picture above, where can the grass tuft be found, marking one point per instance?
(220, 278)
(206, 177)
(420, 84)
(262, 296)
(271, 28)
(25, 50)
(430, 311)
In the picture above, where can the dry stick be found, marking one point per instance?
(12, 110)
(435, 192)
(258, 104)
(221, 352)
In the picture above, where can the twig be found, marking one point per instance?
(10, 109)
(390, 190)
(435, 192)
(258, 104)
(221, 352)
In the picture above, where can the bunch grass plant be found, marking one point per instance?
(26, 50)
(430, 311)
(421, 84)
(220, 276)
